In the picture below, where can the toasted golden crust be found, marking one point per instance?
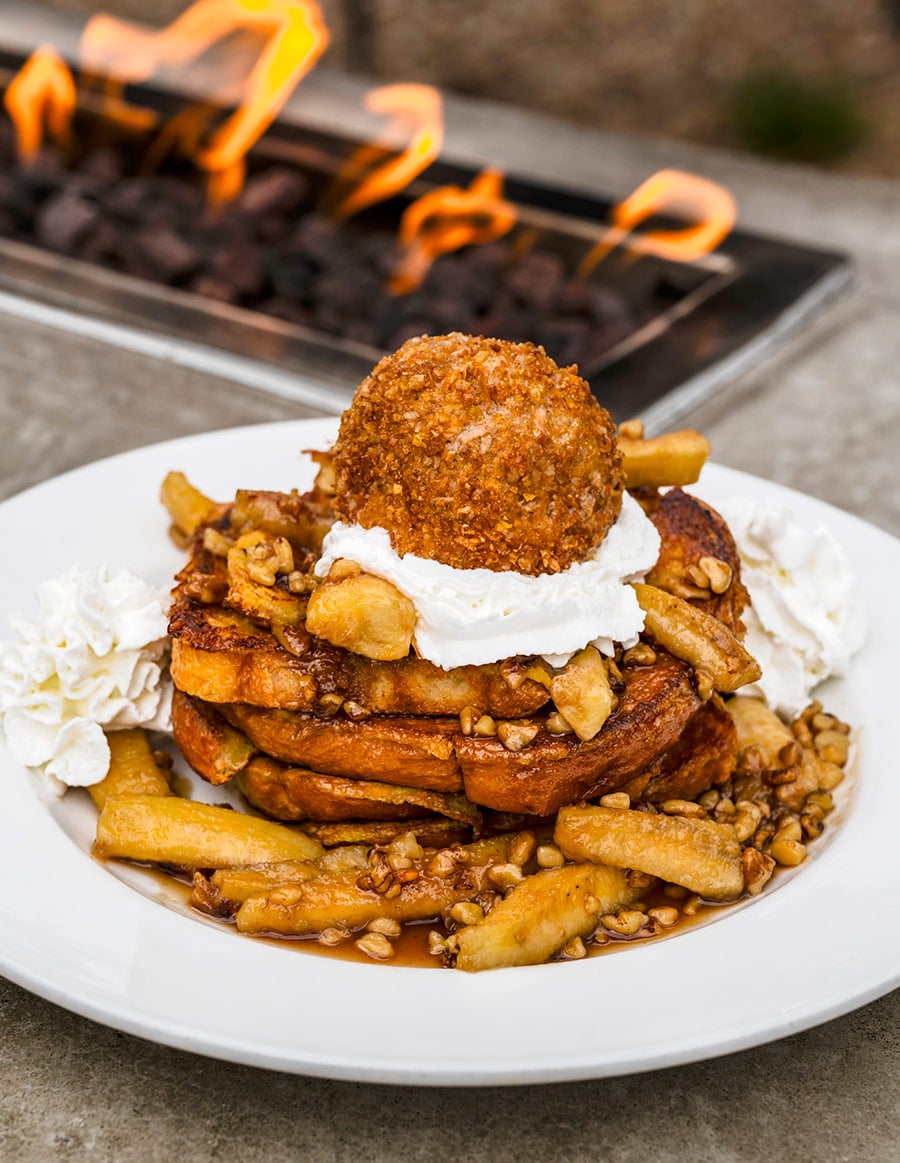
(222, 657)
(705, 754)
(214, 749)
(662, 742)
(690, 530)
(392, 748)
(656, 704)
(479, 452)
(291, 793)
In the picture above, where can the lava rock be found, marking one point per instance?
(159, 254)
(64, 219)
(238, 265)
(278, 189)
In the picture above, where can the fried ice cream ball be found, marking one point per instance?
(479, 453)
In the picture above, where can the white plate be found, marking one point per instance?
(820, 944)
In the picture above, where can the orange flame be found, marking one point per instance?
(447, 219)
(296, 38)
(42, 91)
(417, 113)
(669, 191)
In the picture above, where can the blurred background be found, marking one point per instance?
(809, 80)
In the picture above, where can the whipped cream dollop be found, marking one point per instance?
(476, 616)
(807, 620)
(95, 657)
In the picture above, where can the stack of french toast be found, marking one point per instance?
(361, 749)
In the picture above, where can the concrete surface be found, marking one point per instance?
(824, 416)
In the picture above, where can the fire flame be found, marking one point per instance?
(114, 53)
(447, 219)
(296, 36)
(42, 91)
(417, 114)
(669, 191)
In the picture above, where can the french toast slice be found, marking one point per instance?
(654, 708)
(292, 793)
(704, 755)
(223, 655)
(402, 749)
(690, 530)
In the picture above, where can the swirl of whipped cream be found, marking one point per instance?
(95, 657)
(476, 616)
(807, 620)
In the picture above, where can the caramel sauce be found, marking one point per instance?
(411, 947)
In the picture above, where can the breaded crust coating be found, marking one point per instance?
(479, 453)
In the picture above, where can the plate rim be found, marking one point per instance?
(381, 1067)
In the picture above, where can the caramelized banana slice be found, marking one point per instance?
(255, 563)
(185, 504)
(701, 855)
(541, 914)
(675, 458)
(338, 900)
(133, 769)
(364, 614)
(170, 830)
(758, 726)
(582, 693)
(697, 638)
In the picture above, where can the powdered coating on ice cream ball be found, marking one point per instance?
(479, 453)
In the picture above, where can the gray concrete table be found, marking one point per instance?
(824, 416)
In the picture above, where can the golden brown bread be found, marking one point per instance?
(293, 793)
(214, 749)
(222, 656)
(401, 749)
(705, 754)
(655, 705)
(701, 752)
(654, 708)
(690, 530)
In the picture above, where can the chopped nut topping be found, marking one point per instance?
(329, 704)
(549, 856)
(718, 572)
(468, 717)
(515, 736)
(386, 926)
(687, 809)
(521, 848)
(376, 946)
(558, 724)
(758, 869)
(467, 913)
(332, 936)
(505, 875)
(573, 950)
(642, 654)
(485, 726)
(626, 922)
(616, 799)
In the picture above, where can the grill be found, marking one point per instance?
(675, 332)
